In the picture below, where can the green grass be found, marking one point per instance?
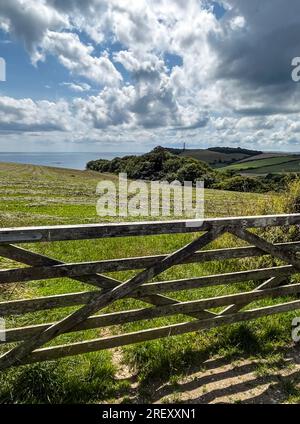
(286, 167)
(265, 165)
(212, 157)
(32, 195)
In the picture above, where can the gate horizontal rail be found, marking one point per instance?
(105, 290)
(93, 231)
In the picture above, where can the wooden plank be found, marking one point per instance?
(34, 259)
(186, 308)
(19, 352)
(81, 269)
(23, 306)
(104, 282)
(124, 264)
(270, 283)
(144, 293)
(288, 256)
(18, 307)
(93, 231)
(214, 280)
(51, 353)
(47, 272)
(277, 251)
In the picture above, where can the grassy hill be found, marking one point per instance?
(216, 156)
(39, 195)
(266, 155)
(265, 165)
(244, 161)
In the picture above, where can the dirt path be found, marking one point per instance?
(222, 381)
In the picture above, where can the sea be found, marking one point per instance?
(71, 160)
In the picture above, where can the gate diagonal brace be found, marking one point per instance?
(265, 246)
(94, 305)
(98, 280)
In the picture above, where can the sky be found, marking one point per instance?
(127, 75)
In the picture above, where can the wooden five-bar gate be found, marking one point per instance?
(29, 340)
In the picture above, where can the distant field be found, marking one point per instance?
(245, 161)
(277, 164)
(219, 156)
(266, 155)
(291, 166)
(38, 195)
(213, 158)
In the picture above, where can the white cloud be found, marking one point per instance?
(233, 85)
(109, 108)
(29, 20)
(26, 115)
(77, 57)
(77, 87)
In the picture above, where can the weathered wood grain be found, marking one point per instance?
(43, 267)
(146, 291)
(215, 280)
(19, 352)
(92, 231)
(50, 353)
(270, 283)
(98, 280)
(77, 270)
(124, 264)
(288, 256)
(185, 308)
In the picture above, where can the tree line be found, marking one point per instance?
(160, 164)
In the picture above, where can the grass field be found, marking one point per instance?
(276, 164)
(213, 158)
(256, 164)
(33, 195)
(284, 167)
(266, 155)
(218, 157)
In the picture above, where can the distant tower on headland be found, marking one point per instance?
(183, 147)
